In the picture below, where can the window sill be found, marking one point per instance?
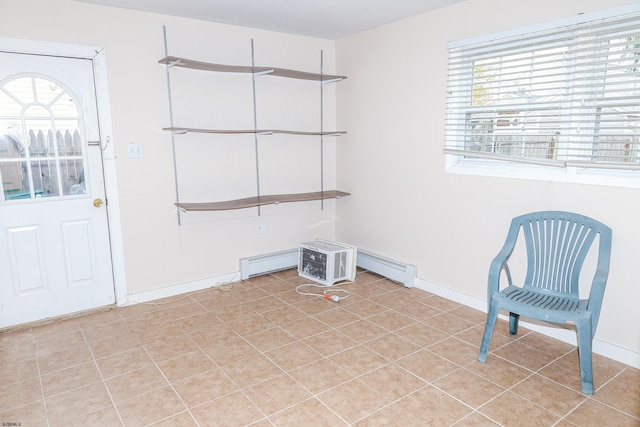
(609, 178)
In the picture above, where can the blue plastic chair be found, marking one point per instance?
(556, 246)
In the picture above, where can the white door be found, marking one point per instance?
(55, 256)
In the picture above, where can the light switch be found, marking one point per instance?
(135, 151)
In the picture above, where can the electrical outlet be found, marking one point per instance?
(262, 228)
(135, 151)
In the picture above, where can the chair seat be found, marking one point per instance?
(542, 305)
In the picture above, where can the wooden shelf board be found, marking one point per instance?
(245, 131)
(250, 202)
(176, 61)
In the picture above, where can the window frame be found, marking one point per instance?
(456, 161)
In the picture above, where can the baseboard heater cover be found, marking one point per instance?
(393, 270)
(268, 263)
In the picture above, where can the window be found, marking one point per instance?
(564, 95)
(41, 153)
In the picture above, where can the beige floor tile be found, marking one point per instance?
(204, 387)
(122, 363)
(52, 343)
(31, 414)
(305, 327)
(71, 356)
(135, 383)
(353, 400)
(183, 419)
(338, 317)
(18, 371)
(548, 394)
(20, 393)
(292, 356)
(468, 387)
(475, 420)
(532, 358)
(433, 407)
(232, 410)
(110, 346)
(392, 347)
(391, 320)
(234, 312)
(186, 365)
(283, 315)
(270, 339)
(67, 407)
(455, 350)
(229, 349)
(440, 303)
(566, 370)
(511, 410)
(277, 394)
(358, 360)
(393, 381)
(264, 304)
(199, 321)
(427, 365)
(251, 371)
(448, 323)
(366, 308)
(95, 331)
(388, 416)
(623, 393)
(330, 342)
(595, 414)
(362, 331)
(105, 417)
(150, 407)
(421, 334)
(310, 413)
(250, 325)
(164, 348)
(320, 376)
(70, 378)
(499, 371)
(418, 310)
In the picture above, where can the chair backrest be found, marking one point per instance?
(557, 244)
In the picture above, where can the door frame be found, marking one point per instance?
(98, 58)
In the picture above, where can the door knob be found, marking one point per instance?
(97, 203)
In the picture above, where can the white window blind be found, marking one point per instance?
(565, 96)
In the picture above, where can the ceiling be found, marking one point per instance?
(328, 19)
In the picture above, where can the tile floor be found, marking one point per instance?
(260, 354)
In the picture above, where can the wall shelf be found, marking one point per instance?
(259, 199)
(179, 130)
(175, 61)
(250, 202)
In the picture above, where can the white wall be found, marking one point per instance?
(159, 253)
(405, 206)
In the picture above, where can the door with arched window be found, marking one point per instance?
(54, 248)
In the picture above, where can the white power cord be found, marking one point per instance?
(326, 293)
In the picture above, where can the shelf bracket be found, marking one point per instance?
(262, 73)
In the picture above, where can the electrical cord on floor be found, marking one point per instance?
(327, 292)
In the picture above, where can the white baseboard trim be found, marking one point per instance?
(603, 348)
(182, 288)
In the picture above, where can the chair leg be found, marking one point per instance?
(488, 331)
(584, 352)
(513, 323)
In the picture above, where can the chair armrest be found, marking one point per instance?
(501, 261)
(596, 294)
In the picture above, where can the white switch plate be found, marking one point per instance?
(135, 151)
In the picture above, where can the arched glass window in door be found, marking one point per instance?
(41, 148)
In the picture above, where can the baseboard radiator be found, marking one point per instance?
(404, 274)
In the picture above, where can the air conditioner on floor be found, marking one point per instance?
(327, 262)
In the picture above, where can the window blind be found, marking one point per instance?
(564, 96)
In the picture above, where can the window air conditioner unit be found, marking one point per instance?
(327, 262)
